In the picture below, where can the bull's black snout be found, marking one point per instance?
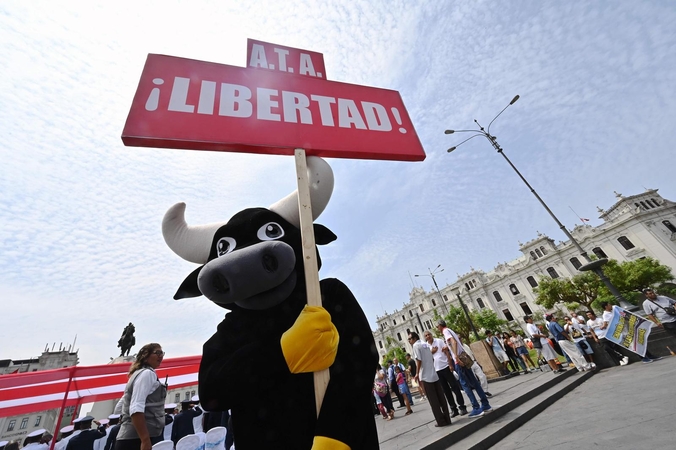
(260, 274)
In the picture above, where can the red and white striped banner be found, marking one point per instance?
(24, 393)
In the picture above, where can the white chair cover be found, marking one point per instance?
(189, 442)
(163, 445)
(203, 438)
(216, 438)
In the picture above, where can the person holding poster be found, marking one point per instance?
(660, 310)
(608, 315)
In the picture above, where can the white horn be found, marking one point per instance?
(192, 243)
(320, 178)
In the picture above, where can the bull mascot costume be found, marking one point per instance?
(259, 363)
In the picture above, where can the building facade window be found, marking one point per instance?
(403, 318)
(544, 250)
(598, 252)
(422, 308)
(445, 298)
(38, 419)
(669, 226)
(575, 262)
(538, 252)
(552, 272)
(480, 303)
(508, 315)
(380, 344)
(24, 423)
(498, 297)
(532, 282)
(410, 313)
(526, 308)
(625, 242)
(399, 336)
(177, 398)
(434, 303)
(394, 322)
(644, 205)
(532, 255)
(513, 289)
(10, 426)
(654, 202)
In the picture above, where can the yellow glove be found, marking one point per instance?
(311, 343)
(325, 443)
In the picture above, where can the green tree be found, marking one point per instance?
(630, 277)
(394, 350)
(456, 319)
(488, 319)
(580, 290)
(586, 288)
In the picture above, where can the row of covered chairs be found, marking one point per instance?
(214, 439)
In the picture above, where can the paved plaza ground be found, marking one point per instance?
(627, 407)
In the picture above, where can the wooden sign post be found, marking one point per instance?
(314, 295)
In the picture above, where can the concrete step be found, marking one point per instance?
(486, 431)
(518, 412)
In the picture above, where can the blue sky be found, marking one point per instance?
(81, 250)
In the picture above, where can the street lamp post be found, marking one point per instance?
(456, 291)
(594, 266)
(432, 273)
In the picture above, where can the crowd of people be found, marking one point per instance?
(443, 368)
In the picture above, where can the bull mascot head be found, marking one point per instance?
(253, 261)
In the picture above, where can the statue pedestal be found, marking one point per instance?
(123, 359)
(486, 358)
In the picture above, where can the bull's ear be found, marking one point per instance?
(323, 235)
(189, 286)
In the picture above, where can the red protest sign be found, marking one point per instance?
(189, 104)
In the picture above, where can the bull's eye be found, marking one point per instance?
(224, 246)
(270, 231)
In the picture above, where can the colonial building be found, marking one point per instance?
(642, 225)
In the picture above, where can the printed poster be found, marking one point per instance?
(629, 330)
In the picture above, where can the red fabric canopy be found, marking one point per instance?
(25, 393)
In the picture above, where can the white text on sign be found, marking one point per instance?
(236, 100)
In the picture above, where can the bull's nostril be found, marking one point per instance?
(221, 284)
(270, 263)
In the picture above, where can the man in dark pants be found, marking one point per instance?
(183, 425)
(391, 377)
(448, 382)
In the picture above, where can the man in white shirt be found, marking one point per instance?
(656, 307)
(430, 380)
(449, 384)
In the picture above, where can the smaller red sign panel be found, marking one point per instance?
(188, 104)
(264, 55)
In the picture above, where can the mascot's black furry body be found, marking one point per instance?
(259, 363)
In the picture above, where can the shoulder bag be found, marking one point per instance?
(670, 310)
